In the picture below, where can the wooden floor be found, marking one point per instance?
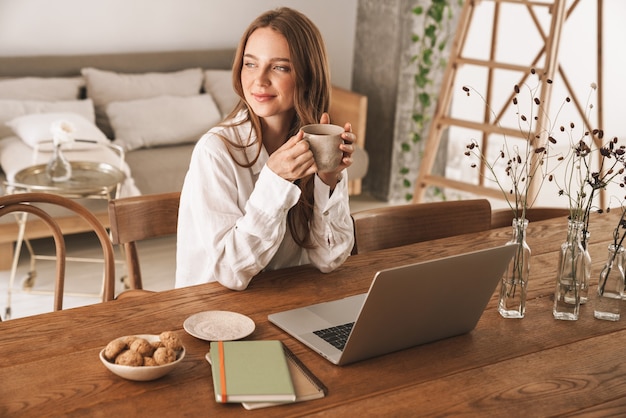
(158, 269)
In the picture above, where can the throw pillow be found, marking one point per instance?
(41, 88)
(11, 109)
(35, 128)
(219, 84)
(105, 87)
(164, 120)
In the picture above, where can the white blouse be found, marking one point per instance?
(232, 219)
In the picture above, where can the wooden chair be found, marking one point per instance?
(393, 226)
(504, 217)
(23, 202)
(138, 218)
(348, 106)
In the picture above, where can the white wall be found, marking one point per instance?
(31, 27)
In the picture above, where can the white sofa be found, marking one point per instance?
(155, 105)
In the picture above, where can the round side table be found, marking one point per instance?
(90, 180)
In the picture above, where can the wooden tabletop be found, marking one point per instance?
(536, 366)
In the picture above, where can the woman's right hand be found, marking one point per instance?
(293, 160)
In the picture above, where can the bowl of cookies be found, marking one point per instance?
(143, 357)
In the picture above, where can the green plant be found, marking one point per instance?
(429, 61)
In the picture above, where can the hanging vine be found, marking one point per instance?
(429, 61)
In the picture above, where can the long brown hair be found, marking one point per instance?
(312, 97)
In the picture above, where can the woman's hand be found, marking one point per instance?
(293, 160)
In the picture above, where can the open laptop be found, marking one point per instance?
(404, 307)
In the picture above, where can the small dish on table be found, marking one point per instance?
(219, 325)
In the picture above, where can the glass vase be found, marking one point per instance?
(59, 168)
(623, 291)
(610, 286)
(569, 275)
(586, 276)
(512, 302)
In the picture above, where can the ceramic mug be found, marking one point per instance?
(324, 141)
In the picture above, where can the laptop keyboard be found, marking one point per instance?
(337, 335)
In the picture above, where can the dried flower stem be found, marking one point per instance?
(522, 165)
(581, 183)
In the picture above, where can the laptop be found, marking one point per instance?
(405, 306)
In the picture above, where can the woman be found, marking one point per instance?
(252, 199)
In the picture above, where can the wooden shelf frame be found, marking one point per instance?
(490, 125)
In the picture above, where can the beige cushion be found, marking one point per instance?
(39, 88)
(219, 84)
(105, 87)
(360, 164)
(11, 109)
(159, 170)
(163, 120)
(35, 128)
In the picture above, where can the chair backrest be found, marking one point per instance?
(348, 106)
(504, 217)
(394, 226)
(138, 218)
(23, 202)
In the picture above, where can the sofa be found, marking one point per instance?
(153, 105)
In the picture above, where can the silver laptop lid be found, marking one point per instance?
(424, 302)
(405, 306)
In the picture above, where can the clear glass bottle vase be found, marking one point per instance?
(610, 286)
(570, 273)
(59, 168)
(586, 277)
(512, 301)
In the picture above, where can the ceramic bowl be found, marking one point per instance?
(142, 373)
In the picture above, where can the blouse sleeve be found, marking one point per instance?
(332, 229)
(220, 238)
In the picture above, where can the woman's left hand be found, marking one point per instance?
(331, 178)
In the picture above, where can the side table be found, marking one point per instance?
(90, 180)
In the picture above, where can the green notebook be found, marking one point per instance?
(254, 371)
(306, 384)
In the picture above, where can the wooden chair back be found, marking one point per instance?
(349, 106)
(394, 226)
(504, 217)
(23, 202)
(138, 218)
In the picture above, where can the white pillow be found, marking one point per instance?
(105, 87)
(219, 84)
(11, 109)
(41, 88)
(164, 120)
(35, 128)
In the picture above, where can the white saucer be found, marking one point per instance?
(219, 325)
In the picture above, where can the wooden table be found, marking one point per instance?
(536, 366)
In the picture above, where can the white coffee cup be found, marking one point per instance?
(324, 141)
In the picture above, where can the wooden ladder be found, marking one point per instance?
(488, 126)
